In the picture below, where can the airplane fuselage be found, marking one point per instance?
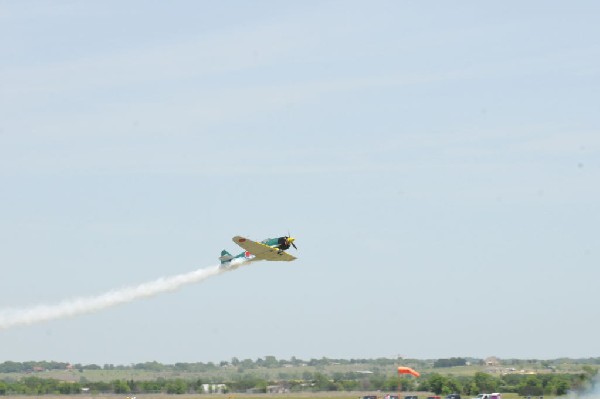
(270, 249)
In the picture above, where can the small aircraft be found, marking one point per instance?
(272, 249)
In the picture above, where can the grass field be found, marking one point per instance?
(225, 374)
(274, 374)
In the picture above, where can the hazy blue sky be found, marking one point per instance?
(438, 163)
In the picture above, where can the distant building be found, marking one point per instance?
(214, 388)
(492, 361)
(277, 389)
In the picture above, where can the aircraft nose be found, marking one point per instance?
(291, 242)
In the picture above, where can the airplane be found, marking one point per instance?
(272, 249)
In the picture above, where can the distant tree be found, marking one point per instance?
(197, 385)
(452, 386)
(557, 386)
(283, 376)
(178, 387)
(211, 366)
(186, 367)
(323, 383)
(11, 367)
(347, 385)
(150, 386)
(377, 381)
(66, 388)
(101, 386)
(261, 386)
(408, 383)
(150, 366)
(245, 364)
(271, 362)
(307, 376)
(452, 362)
(120, 386)
(391, 383)
(471, 388)
(435, 382)
(530, 386)
(486, 382)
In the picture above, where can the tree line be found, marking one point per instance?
(196, 367)
(271, 362)
(527, 385)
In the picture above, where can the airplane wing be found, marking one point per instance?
(262, 251)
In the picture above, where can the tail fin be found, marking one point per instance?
(225, 257)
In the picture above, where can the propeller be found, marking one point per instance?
(290, 240)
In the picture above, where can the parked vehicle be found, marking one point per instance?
(494, 395)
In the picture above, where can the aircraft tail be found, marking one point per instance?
(225, 257)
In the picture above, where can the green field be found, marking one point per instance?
(321, 379)
(221, 374)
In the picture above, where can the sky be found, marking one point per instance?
(437, 162)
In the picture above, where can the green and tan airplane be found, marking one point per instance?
(272, 249)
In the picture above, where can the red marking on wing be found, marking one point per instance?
(247, 254)
(242, 239)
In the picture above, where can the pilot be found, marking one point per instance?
(283, 243)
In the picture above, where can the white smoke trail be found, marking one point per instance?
(68, 308)
(592, 390)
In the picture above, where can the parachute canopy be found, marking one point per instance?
(408, 370)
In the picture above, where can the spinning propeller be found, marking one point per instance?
(290, 240)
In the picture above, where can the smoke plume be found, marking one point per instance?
(73, 307)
